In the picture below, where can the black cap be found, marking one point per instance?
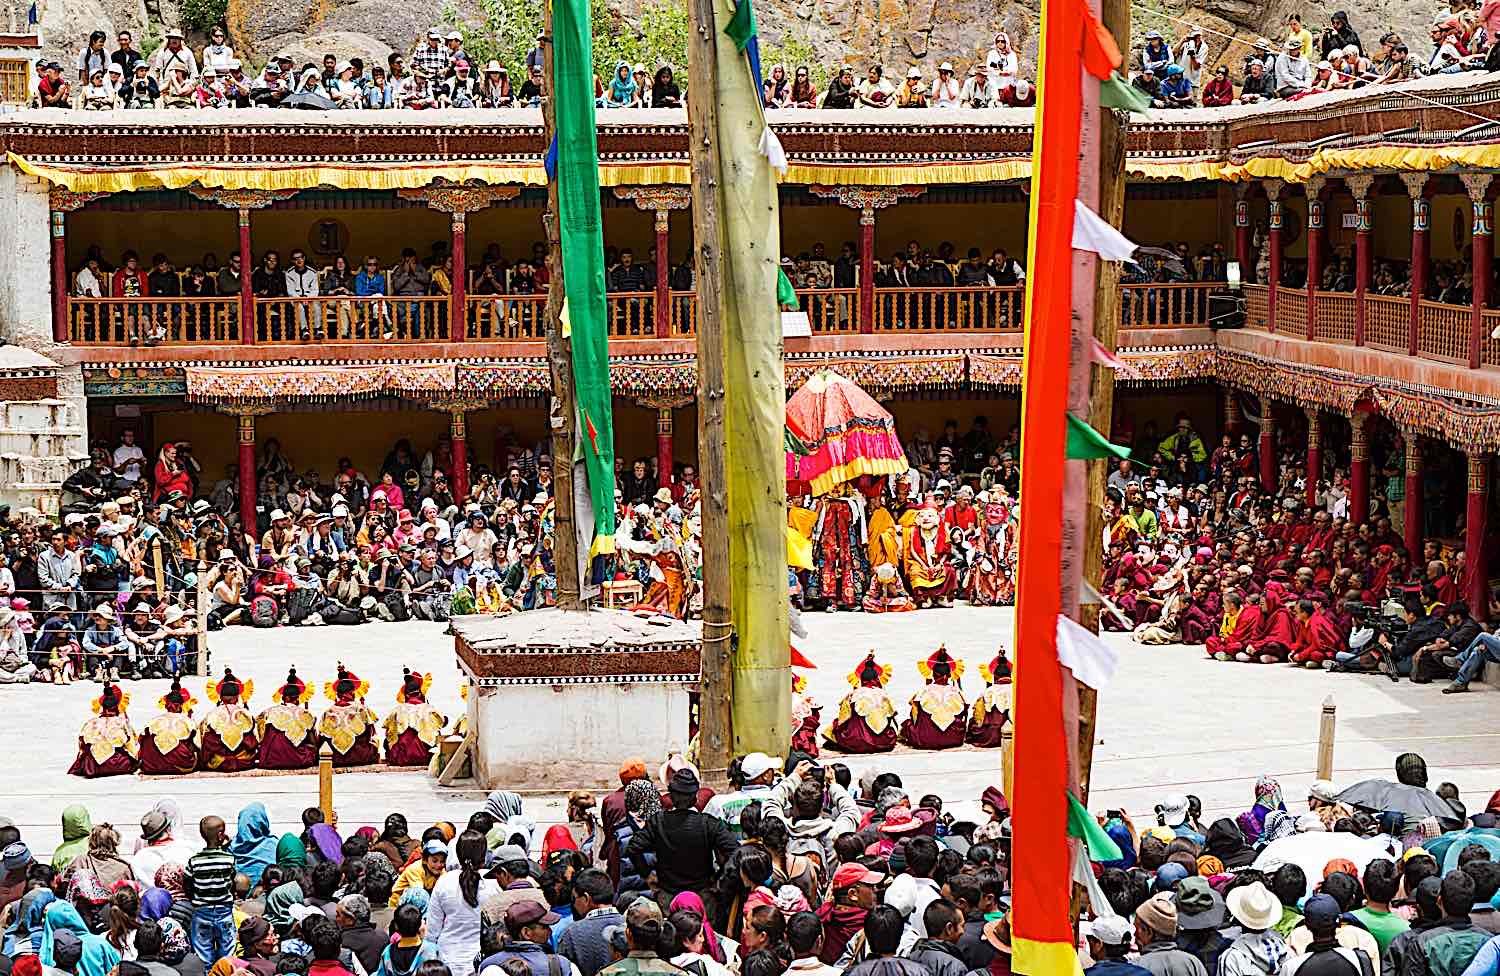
(683, 781)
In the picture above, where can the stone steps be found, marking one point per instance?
(41, 443)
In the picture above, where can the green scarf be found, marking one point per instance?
(291, 852)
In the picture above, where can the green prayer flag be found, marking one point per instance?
(786, 295)
(582, 232)
(1100, 845)
(1085, 443)
(1118, 93)
(741, 26)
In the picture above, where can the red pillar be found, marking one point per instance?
(1314, 253)
(663, 290)
(247, 299)
(247, 472)
(867, 270)
(59, 276)
(1359, 470)
(1242, 238)
(1412, 509)
(1482, 268)
(1314, 455)
(1267, 446)
(1421, 218)
(664, 453)
(1362, 257)
(458, 437)
(1275, 265)
(1476, 524)
(458, 302)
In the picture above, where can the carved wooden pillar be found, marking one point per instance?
(1314, 454)
(1359, 468)
(1364, 224)
(867, 200)
(249, 489)
(62, 203)
(1478, 186)
(458, 202)
(1267, 445)
(1421, 221)
(661, 200)
(1476, 522)
(1273, 194)
(665, 447)
(1315, 187)
(244, 201)
(1242, 231)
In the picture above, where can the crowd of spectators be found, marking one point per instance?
(1178, 74)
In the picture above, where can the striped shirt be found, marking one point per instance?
(210, 877)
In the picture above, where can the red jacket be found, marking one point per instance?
(118, 279)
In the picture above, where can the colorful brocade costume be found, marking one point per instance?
(991, 709)
(226, 736)
(925, 556)
(169, 742)
(939, 714)
(866, 716)
(106, 744)
(348, 725)
(414, 728)
(287, 730)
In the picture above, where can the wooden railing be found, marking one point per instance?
(1291, 312)
(684, 316)
(153, 321)
(376, 318)
(1256, 313)
(632, 315)
(1166, 305)
(1387, 322)
(1489, 349)
(1335, 317)
(831, 311)
(1443, 332)
(955, 309)
(513, 318)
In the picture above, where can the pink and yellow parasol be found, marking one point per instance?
(842, 433)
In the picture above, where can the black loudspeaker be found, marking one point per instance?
(1226, 310)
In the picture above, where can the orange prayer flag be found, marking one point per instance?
(1101, 55)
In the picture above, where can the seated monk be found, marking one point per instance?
(1318, 638)
(1199, 614)
(939, 714)
(886, 594)
(992, 707)
(106, 744)
(349, 725)
(925, 559)
(668, 592)
(1237, 627)
(805, 716)
(864, 723)
(169, 742)
(1273, 642)
(226, 736)
(288, 736)
(414, 728)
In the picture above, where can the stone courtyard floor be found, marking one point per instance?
(1171, 721)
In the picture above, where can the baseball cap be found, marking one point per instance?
(1321, 911)
(853, 873)
(530, 913)
(434, 846)
(1112, 930)
(1174, 810)
(756, 764)
(642, 910)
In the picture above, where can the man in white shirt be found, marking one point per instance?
(129, 459)
(1191, 54)
(172, 55)
(945, 91)
(979, 89)
(912, 892)
(158, 847)
(302, 282)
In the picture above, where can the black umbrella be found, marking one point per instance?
(1413, 802)
(314, 100)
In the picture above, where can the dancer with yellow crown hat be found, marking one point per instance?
(413, 728)
(106, 743)
(991, 712)
(939, 715)
(226, 737)
(866, 717)
(348, 725)
(288, 732)
(169, 742)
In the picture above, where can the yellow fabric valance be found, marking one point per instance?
(84, 178)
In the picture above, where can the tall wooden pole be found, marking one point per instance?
(717, 689)
(561, 415)
(1111, 146)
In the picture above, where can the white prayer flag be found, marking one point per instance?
(1091, 233)
(1091, 660)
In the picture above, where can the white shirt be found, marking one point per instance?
(218, 56)
(301, 284)
(811, 966)
(86, 284)
(944, 95)
(1003, 67)
(454, 924)
(1190, 57)
(124, 453)
(911, 896)
(148, 860)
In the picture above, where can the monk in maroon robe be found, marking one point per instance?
(1200, 616)
(1317, 636)
(992, 708)
(287, 730)
(349, 725)
(1277, 634)
(169, 742)
(226, 736)
(1238, 625)
(866, 718)
(939, 714)
(106, 744)
(414, 728)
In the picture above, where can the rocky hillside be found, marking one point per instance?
(898, 33)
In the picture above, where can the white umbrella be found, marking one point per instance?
(1313, 850)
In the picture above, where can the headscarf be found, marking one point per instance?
(1278, 824)
(174, 941)
(279, 903)
(155, 904)
(1268, 794)
(84, 885)
(690, 901)
(330, 848)
(172, 878)
(415, 895)
(31, 916)
(290, 851)
(99, 957)
(642, 800)
(519, 825)
(1226, 842)
(253, 847)
(622, 91)
(502, 805)
(557, 838)
(76, 826)
(370, 834)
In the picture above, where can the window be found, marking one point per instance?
(15, 81)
